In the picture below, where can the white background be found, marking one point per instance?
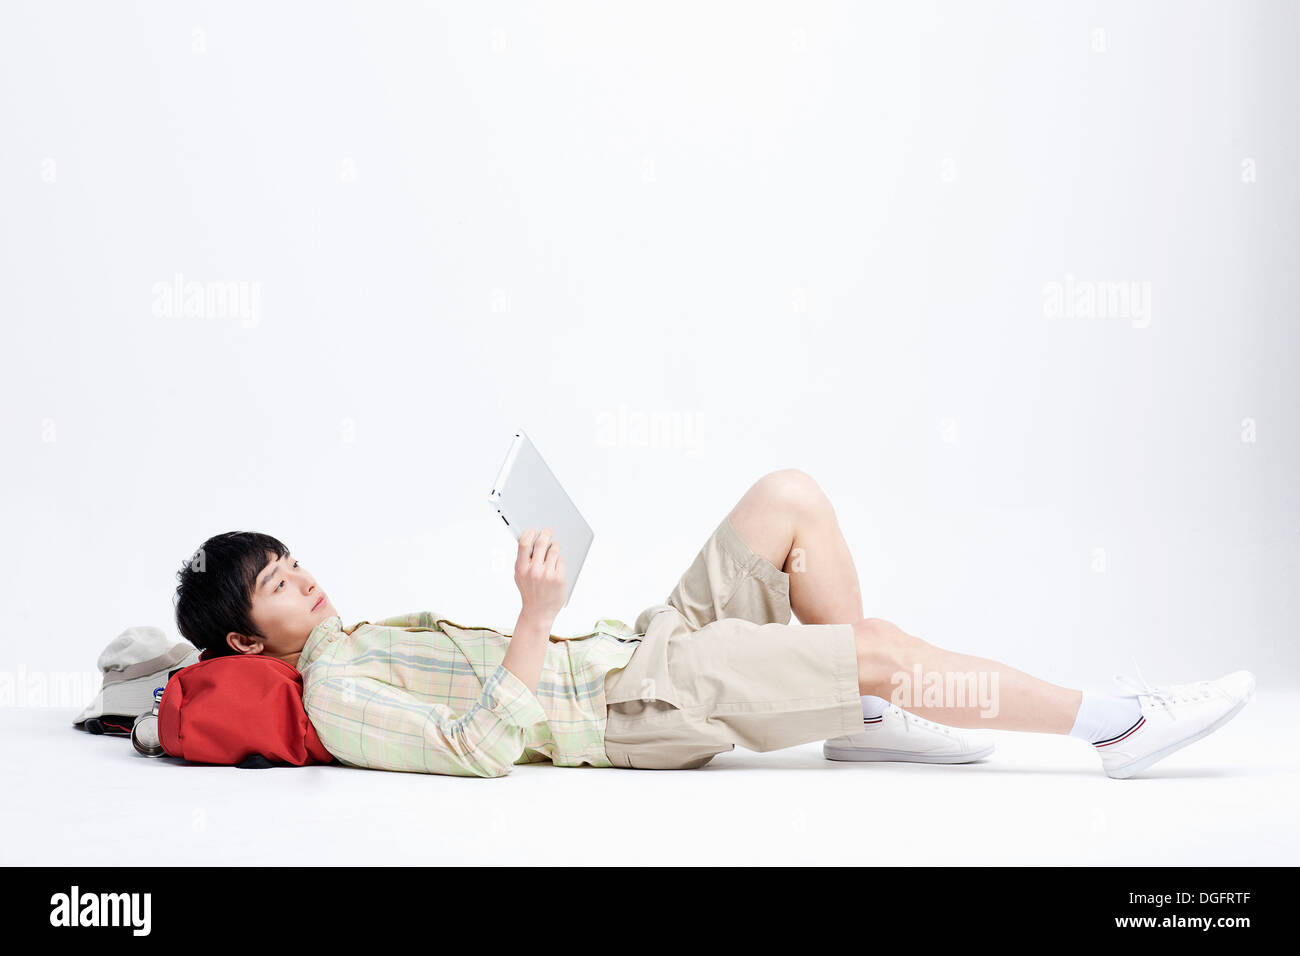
(814, 235)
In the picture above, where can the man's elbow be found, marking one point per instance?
(485, 757)
(491, 769)
(489, 763)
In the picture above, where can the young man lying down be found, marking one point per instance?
(718, 664)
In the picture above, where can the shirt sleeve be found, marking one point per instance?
(412, 619)
(367, 723)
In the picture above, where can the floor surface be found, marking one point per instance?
(72, 798)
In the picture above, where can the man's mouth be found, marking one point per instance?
(318, 603)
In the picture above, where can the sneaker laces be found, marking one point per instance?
(1165, 695)
(910, 718)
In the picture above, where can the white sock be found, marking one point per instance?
(1104, 717)
(873, 708)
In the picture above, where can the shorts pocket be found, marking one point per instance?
(646, 678)
(642, 709)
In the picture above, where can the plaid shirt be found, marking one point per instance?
(423, 694)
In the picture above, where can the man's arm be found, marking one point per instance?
(369, 723)
(539, 575)
(527, 650)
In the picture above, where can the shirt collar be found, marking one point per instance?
(321, 636)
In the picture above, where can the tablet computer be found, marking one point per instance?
(527, 495)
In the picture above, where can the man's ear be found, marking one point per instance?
(242, 644)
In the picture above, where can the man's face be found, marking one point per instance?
(287, 604)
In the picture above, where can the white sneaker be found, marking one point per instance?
(1172, 717)
(899, 735)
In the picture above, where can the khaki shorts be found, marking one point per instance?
(721, 665)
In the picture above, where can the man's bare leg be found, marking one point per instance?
(787, 518)
(1021, 701)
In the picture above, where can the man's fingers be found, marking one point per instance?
(541, 544)
(538, 551)
(525, 549)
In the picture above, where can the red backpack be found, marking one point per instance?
(243, 709)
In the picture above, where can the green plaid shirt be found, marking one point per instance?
(423, 694)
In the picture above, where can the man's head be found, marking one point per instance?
(244, 593)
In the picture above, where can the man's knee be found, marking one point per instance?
(793, 489)
(884, 650)
(879, 632)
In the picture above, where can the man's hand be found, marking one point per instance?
(539, 575)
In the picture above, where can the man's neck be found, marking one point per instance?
(290, 659)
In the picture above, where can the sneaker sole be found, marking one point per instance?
(866, 754)
(1137, 766)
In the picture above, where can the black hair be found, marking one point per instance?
(215, 593)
